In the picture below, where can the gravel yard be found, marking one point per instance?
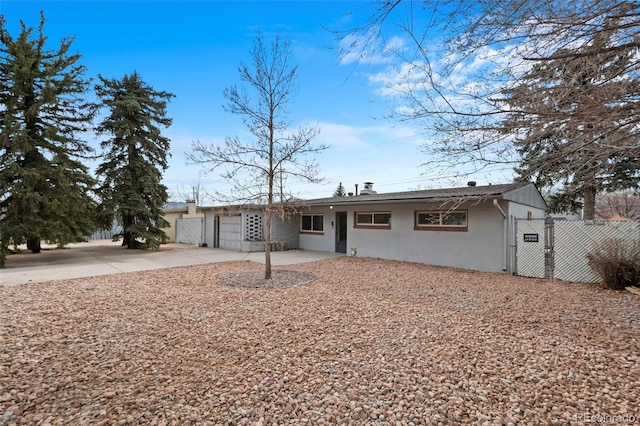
(367, 341)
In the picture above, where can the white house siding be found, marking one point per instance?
(208, 230)
(479, 248)
(482, 247)
(521, 211)
(327, 240)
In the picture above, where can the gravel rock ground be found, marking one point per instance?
(367, 342)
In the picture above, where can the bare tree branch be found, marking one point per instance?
(548, 86)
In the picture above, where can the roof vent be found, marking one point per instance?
(471, 183)
(368, 189)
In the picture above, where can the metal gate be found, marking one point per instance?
(530, 248)
(548, 248)
(190, 230)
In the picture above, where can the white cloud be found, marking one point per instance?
(385, 153)
(446, 82)
(394, 45)
(366, 137)
(340, 135)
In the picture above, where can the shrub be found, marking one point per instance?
(617, 263)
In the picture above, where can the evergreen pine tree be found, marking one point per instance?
(135, 158)
(45, 189)
(339, 192)
(571, 120)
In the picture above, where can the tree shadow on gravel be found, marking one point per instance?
(253, 280)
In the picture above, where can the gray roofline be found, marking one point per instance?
(432, 195)
(471, 193)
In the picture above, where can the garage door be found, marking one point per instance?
(231, 232)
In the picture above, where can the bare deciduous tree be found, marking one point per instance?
(618, 205)
(197, 192)
(258, 168)
(460, 63)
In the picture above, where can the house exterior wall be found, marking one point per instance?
(208, 229)
(521, 211)
(243, 232)
(170, 232)
(327, 240)
(281, 230)
(286, 230)
(482, 247)
(527, 195)
(479, 248)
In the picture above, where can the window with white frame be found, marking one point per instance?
(373, 219)
(312, 223)
(454, 220)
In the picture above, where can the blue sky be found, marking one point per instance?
(193, 49)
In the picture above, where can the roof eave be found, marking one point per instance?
(360, 201)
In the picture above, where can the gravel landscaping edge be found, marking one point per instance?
(368, 341)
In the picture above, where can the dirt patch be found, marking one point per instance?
(255, 280)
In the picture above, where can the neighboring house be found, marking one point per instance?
(188, 230)
(470, 227)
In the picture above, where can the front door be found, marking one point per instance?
(341, 232)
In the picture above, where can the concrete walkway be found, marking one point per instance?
(104, 257)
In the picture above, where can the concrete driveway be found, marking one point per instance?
(104, 257)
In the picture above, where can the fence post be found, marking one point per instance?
(548, 247)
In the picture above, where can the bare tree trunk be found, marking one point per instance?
(267, 247)
(588, 208)
(33, 244)
(127, 239)
(276, 148)
(267, 238)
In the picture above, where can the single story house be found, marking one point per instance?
(471, 227)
